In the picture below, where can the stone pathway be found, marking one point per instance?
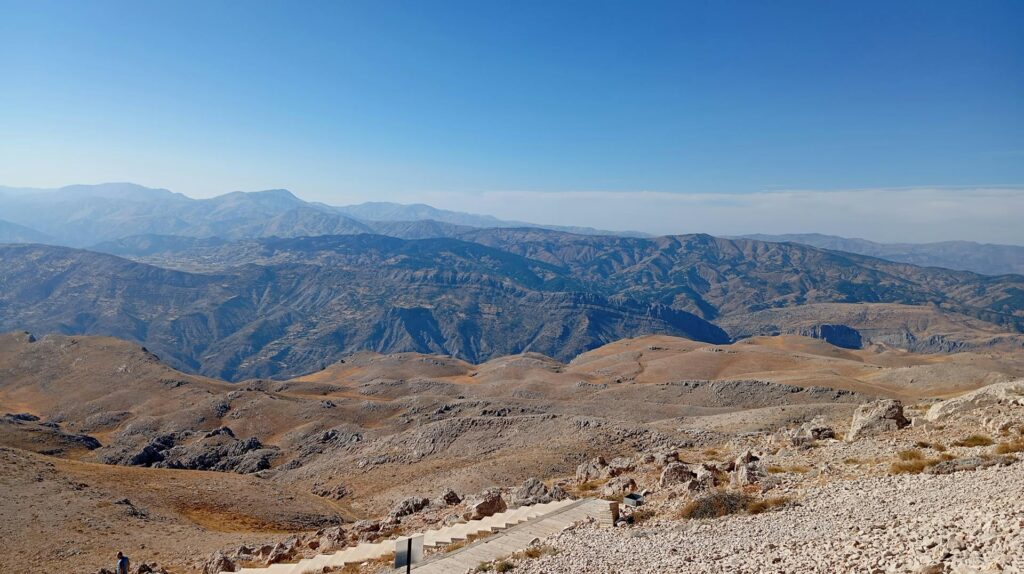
(517, 538)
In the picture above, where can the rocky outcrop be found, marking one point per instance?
(877, 417)
(533, 491)
(838, 335)
(448, 498)
(218, 563)
(676, 473)
(618, 486)
(1009, 393)
(970, 463)
(593, 469)
(410, 505)
(810, 432)
(748, 470)
(486, 504)
(217, 450)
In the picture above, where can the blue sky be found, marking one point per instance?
(457, 102)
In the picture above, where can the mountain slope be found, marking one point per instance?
(314, 300)
(714, 277)
(14, 233)
(986, 258)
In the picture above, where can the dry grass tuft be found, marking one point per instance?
(794, 469)
(1010, 446)
(974, 440)
(911, 454)
(586, 488)
(712, 453)
(937, 447)
(504, 566)
(911, 466)
(766, 504)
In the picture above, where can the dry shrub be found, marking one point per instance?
(504, 566)
(642, 515)
(911, 466)
(912, 454)
(938, 447)
(455, 546)
(484, 567)
(852, 460)
(794, 469)
(766, 504)
(716, 505)
(974, 440)
(1010, 447)
(916, 465)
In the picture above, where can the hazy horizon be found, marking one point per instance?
(889, 122)
(937, 213)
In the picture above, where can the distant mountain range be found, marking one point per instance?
(986, 258)
(85, 215)
(284, 306)
(264, 284)
(89, 215)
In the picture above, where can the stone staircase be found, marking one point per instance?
(431, 538)
(518, 538)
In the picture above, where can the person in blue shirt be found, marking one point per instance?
(122, 564)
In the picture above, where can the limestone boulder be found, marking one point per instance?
(410, 505)
(531, 492)
(877, 417)
(619, 485)
(676, 473)
(486, 504)
(593, 469)
(1010, 393)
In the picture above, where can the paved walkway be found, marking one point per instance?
(515, 539)
(432, 538)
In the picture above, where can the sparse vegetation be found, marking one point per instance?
(642, 515)
(504, 566)
(484, 567)
(1010, 446)
(793, 469)
(937, 447)
(974, 440)
(716, 505)
(915, 465)
(911, 454)
(766, 504)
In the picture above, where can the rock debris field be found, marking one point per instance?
(962, 523)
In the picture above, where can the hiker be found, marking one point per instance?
(122, 564)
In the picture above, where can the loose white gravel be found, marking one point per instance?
(965, 522)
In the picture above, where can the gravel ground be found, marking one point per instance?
(963, 522)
